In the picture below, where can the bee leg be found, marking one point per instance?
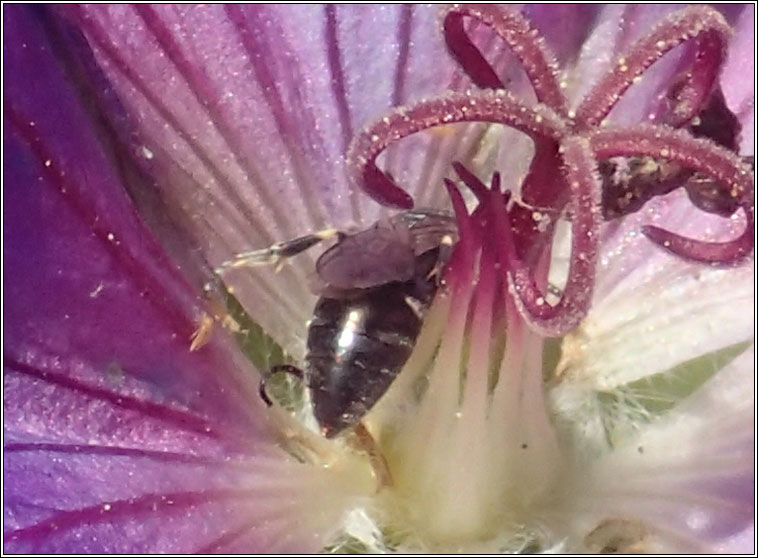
(364, 442)
(287, 369)
(276, 253)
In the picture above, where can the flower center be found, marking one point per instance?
(465, 430)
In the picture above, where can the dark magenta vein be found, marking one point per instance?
(102, 42)
(95, 90)
(121, 451)
(225, 539)
(164, 300)
(97, 222)
(117, 509)
(124, 68)
(256, 47)
(281, 515)
(182, 419)
(334, 58)
(201, 88)
(403, 41)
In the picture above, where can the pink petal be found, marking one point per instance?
(740, 62)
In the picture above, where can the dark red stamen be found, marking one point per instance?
(496, 182)
(543, 185)
(465, 231)
(474, 184)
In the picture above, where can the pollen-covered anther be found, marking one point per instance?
(700, 23)
(731, 179)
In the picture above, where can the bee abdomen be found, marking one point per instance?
(356, 348)
(346, 384)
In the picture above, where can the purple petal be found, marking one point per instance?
(740, 62)
(565, 27)
(118, 438)
(245, 108)
(87, 470)
(92, 284)
(693, 477)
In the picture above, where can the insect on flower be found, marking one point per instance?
(376, 285)
(185, 131)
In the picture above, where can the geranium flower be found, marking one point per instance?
(584, 391)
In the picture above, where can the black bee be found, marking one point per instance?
(377, 285)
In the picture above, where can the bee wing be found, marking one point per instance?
(367, 259)
(427, 227)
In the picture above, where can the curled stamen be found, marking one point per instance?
(523, 40)
(705, 25)
(727, 170)
(466, 54)
(497, 107)
(584, 184)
